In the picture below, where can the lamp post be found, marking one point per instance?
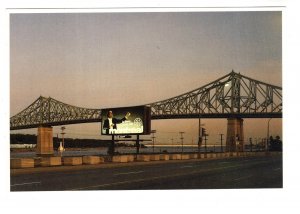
(268, 133)
(205, 140)
(199, 133)
(238, 146)
(221, 142)
(256, 145)
(62, 134)
(153, 138)
(181, 134)
(61, 147)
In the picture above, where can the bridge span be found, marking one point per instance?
(233, 96)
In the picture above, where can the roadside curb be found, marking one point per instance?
(104, 165)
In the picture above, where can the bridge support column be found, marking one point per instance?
(45, 141)
(235, 135)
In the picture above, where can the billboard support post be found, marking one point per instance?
(137, 144)
(111, 148)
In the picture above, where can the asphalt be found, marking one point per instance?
(225, 173)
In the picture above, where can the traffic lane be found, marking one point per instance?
(250, 176)
(232, 176)
(109, 177)
(67, 180)
(182, 170)
(61, 180)
(73, 179)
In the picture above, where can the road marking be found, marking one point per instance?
(187, 166)
(127, 173)
(225, 162)
(166, 176)
(36, 182)
(153, 178)
(241, 178)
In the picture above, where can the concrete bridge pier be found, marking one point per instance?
(45, 141)
(235, 135)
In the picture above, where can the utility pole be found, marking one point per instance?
(199, 140)
(268, 135)
(221, 142)
(256, 144)
(199, 133)
(62, 134)
(153, 139)
(203, 130)
(205, 139)
(181, 134)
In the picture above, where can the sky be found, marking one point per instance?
(101, 60)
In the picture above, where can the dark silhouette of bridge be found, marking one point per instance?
(233, 96)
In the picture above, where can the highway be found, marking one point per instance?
(226, 173)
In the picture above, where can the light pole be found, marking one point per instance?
(268, 133)
(256, 145)
(61, 147)
(199, 132)
(181, 133)
(62, 134)
(153, 138)
(205, 140)
(221, 142)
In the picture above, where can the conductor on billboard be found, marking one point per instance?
(128, 120)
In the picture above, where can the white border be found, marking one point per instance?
(223, 201)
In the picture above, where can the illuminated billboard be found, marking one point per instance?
(127, 120)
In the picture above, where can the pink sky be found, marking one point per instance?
(99, 60)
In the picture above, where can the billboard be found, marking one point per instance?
(127, 120)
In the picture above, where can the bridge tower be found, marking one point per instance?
(235, 135)
(45, 141)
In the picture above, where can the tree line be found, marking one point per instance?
(68, 142)
(275, 144)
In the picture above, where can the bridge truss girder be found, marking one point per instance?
(233, 95)
(50, 112)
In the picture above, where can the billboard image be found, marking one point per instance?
(127, 120)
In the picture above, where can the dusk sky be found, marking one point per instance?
(100, 60)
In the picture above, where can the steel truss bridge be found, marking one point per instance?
(231, 96)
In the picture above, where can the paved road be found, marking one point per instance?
(241, 172)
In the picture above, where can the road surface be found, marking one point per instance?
(237, 172)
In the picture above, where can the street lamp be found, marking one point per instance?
(221, 142)
(237, 142)
(181, 134)
(268, 133)
(62, 133)
(199, 131)
(153, 138)
(61, 147)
